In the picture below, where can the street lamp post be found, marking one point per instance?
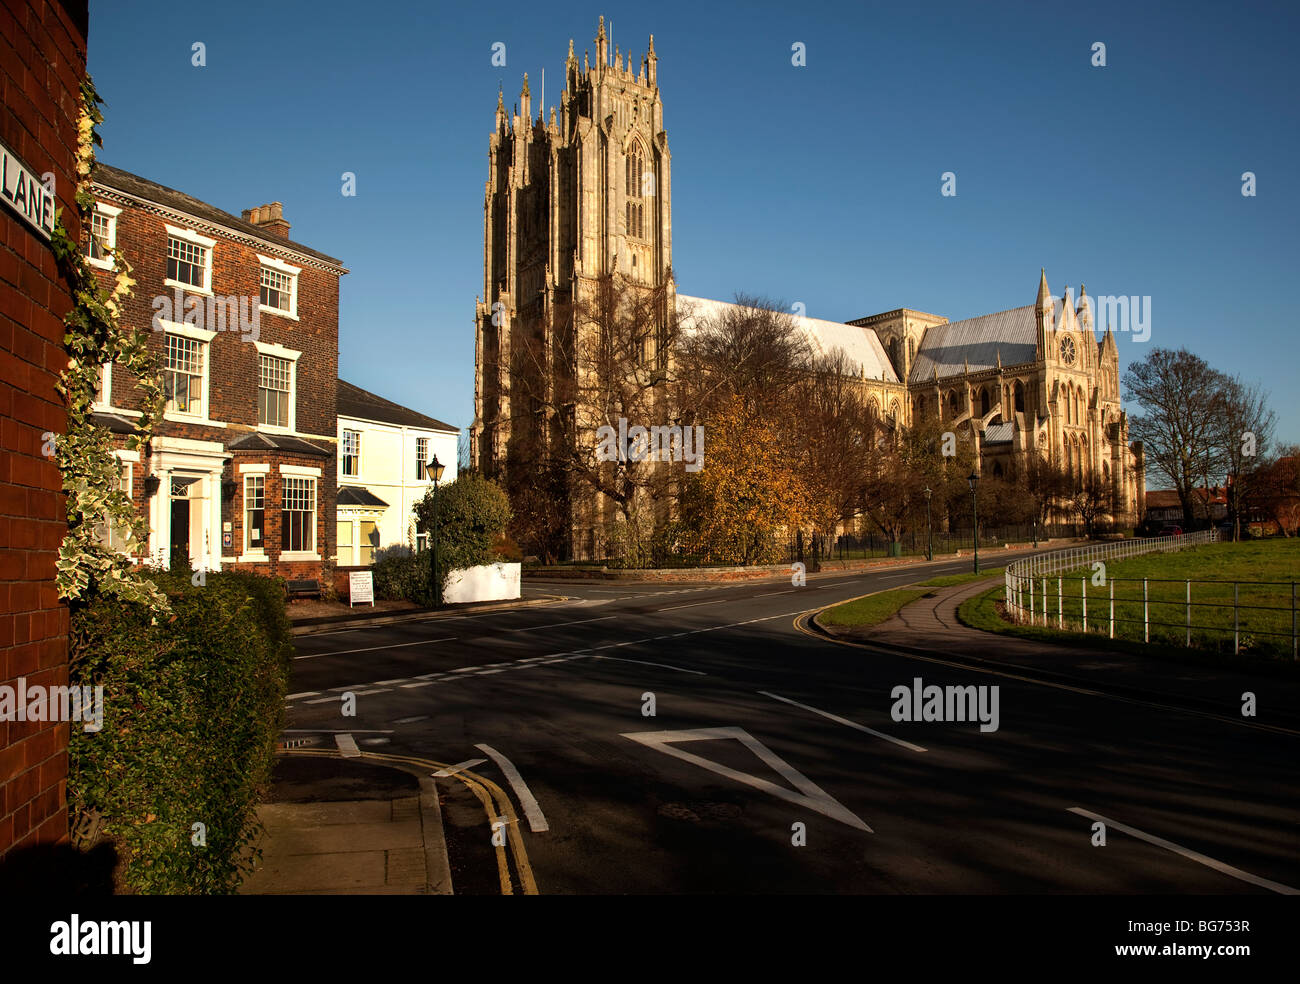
(434, 470)
(975, 511)
(929, 530)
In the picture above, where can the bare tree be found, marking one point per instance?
(1245, 431)
(1181, 397)
(1090, 498)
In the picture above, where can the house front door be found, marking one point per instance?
(180, 539)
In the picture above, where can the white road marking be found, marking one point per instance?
(324, 700)
(347, 745)
(372, 649)
(770, 595)
(810, 795)
(305, 693)
(383, 683)
(536, 821)
(558, 625)
(419, 683)
(451, 770)
(697, 604)
(1218, 866)
(845, 721)
(467, 669)
(645, 662)
(412, 720)
(486, 672)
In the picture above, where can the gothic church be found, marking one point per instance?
(575, 196)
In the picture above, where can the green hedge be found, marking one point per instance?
(193, 707)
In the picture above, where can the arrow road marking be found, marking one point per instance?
(810, 795)
(536, 821)
(451, 770)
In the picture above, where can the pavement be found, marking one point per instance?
(929, 626)
(388, 843)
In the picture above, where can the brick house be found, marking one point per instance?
(244, 322)
(42, 63)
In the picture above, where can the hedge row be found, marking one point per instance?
(193, 707)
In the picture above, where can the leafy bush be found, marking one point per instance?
(402, 575)
(473, 513)
(193, 706)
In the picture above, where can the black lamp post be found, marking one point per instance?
(929, 530)
(434, 470)
(975, 512)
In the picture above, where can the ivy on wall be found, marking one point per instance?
(94, 335)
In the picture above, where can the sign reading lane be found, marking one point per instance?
(23, 192)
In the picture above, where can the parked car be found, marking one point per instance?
(1171, 531)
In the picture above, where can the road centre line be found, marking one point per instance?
(698, 604)
(371, 649)
(1209, 862)
(305, 693)
(844, 721)
(558, 625)
(536, 821)
(645, 662)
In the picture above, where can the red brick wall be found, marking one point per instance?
(233, 371)
(42, 61)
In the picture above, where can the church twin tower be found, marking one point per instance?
(570, 198)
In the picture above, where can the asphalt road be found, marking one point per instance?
(902, 807)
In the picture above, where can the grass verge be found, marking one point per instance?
(984, 611)
(871, 610)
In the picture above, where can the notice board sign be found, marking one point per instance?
(361, 588)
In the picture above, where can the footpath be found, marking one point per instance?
(379, 833)
(929, 627)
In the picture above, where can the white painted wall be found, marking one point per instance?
(388, 471)
(491, 582)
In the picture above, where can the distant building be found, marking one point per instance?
(1164, 506)
(245, 324)
(383, 450)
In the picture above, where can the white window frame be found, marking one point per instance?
(279, 266)
(281, 352)
(111, 213)
(257, 552)
(422, 474)
(126, 462)
(187, 235)
(343, 472)
(312, 475)
(204, 338)
(106, 385)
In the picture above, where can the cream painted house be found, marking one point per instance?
(383, 448)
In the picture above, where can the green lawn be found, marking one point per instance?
(1263, 618)
(871, 610)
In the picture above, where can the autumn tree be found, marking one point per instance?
(1244, 431)
(748, 497)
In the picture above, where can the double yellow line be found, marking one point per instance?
(496, 804)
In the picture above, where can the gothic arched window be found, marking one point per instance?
(635, 192)
(1020, 397)
(984, 401)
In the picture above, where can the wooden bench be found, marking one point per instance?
(308, 587)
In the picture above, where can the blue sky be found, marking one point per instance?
(817, 184)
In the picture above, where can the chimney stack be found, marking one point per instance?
(269, 217)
